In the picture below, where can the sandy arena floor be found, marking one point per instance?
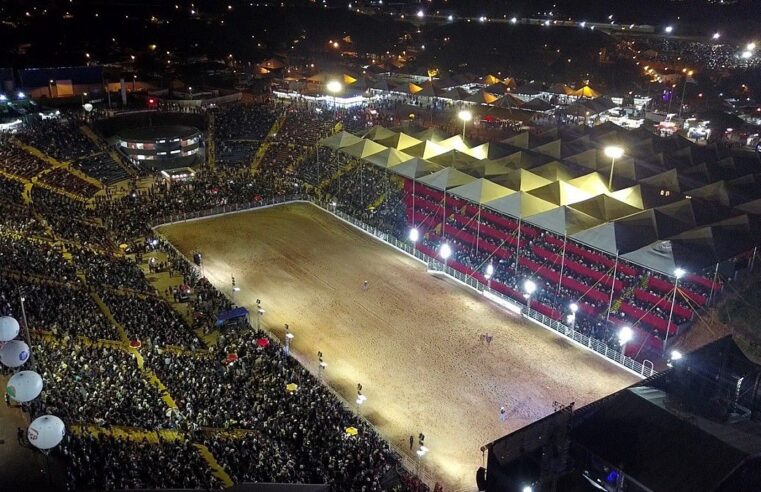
(411, 339)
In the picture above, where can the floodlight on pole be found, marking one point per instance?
(574, 307)
(527, 488)
(678, 274)
(676, 355)
(334, 87)
(445, 251)
(614, 152)
(414, 235)
(530, 287)
(465, 116)
(625, 334)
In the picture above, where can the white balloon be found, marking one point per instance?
(88, 107)
(9, 328)
(24, 386)
(46, 432)
(14, 353)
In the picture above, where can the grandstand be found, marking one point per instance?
(113, 306)
(538, 206)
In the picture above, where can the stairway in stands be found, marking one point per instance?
(87, 131)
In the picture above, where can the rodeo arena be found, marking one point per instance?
(355, 285)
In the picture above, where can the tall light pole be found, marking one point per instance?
(465, 116)
(687, 75)
(288, 338)
(678, 273)
(334, 87)
(614, 152)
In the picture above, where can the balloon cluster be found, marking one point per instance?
(44, 432)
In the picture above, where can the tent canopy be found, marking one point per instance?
(340, 140)
(448, 177)
(520, 205)
(563, 220)
(388, 158)
(415, 168)
(363, 148)
(481, 191)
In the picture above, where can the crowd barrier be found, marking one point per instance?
(644, 369)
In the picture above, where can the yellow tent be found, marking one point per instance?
(587, 92)
(491, 80)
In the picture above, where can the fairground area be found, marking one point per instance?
(413, 340)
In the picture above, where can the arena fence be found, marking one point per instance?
(644, 369)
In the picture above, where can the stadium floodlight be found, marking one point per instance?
(489, 270)
(676, 355)
(445, 251)
(614, 152)
(21, 95)
(669, 29)
(465, 116)
(420, 14)
(334, 86)
(414, 235)
(679, 273)
(746, 54)
(574, 307)
(527, 488)
(3, 97)
(514, 20)
(751, 46)
(530, 287)
(625, 334)
(716, 35)
(450, 18)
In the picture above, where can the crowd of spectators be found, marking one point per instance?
(239, 132)
(17, 161)
(96, 385)
(56, 308)
(102, 462)
(59, 136)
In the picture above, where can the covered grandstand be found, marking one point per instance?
(638, 241)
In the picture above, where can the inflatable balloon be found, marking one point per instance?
(88, 107)
(46, 432)
(14, 353)
(24, 386)
(9, 328)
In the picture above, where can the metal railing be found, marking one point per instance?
(433, 264)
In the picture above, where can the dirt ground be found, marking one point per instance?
(411, 339)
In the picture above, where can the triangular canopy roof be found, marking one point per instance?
(379, 133)
(454, 158)
(432, 134)
(340, 140)
(448, 177)
(415, 168)
(563, 221)
(388, 158)
(363, 148)
(620, 237)
(456, 94)
(587, 92)
(605, 208)
(554, 171)
(481, 191)
(520, 205)
(482, 97)
(399, 141)
(560, 193)
(537, 104)
(425, 149)
(455, 142)
(562, 89)
(593, 183)
(521, 180)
